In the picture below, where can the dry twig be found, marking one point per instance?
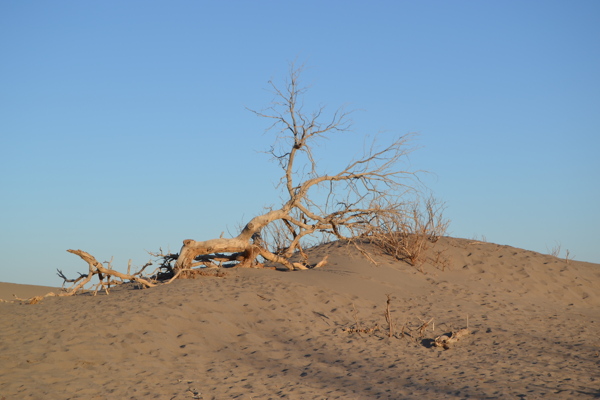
(388, 316)
(450, 339)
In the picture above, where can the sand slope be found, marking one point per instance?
(263, 334)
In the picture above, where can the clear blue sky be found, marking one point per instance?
(123, 125)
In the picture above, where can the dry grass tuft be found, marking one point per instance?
(416, 333)
(406, 233)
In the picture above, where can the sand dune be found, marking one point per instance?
(264, 334)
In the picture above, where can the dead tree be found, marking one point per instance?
(366, 188)
(358, 201)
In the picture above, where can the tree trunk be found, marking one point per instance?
(192, 249)
(242, 243)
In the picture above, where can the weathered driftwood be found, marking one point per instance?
(106, 275)
(32, 300)
(450, 339)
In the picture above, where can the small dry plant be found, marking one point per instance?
(406, 232)
(555, 250)
(357, 326)
(424, 326)
(479, 239)
(391, 331)
(417, 334)
(568, 256)
(440, 260)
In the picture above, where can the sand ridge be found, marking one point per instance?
(263, 334)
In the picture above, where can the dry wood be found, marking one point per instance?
(423, 327)
(32, 300)
(450, 339)
(371, 196)
(388, 316)
(96, 268)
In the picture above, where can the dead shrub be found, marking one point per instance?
(407, 231)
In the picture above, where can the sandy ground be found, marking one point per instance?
(264, 334)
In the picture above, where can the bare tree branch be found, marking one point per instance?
(357, 196)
